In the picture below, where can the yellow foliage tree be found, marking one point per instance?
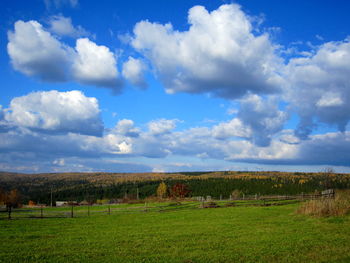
(162, 190)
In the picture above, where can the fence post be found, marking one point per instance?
(41, 211)
(71, 214)
(9, 211)
(109, 209)
(51, 197)
(88, 209)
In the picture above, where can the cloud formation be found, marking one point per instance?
(232, 128)
(95, 65)
(62, 26)
(263, 118)
(126, 128)
(258, 120)
(161, 126)
(60, 3)
(233, 60)
(36, 52)
(133, 71)
(56, 126)
(222, 53)
(319, 87)
(56, 112)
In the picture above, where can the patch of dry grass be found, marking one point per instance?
(338, 206)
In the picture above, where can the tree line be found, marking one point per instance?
(194, 185)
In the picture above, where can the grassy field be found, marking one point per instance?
(231, 234)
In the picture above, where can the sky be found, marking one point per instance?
(177, 85)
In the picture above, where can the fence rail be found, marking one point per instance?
(91, 210)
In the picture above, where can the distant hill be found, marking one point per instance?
(80, 186)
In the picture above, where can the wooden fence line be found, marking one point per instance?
(71, 211)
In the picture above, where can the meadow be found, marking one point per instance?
(226, 234)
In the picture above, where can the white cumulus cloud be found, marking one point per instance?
(126, 128)
(95, 65)
(35, 52)
(218, 54)
(133, 71)
(56, 112)
(232, 128)
(161, 126)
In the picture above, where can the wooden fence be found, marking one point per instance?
(170, 206)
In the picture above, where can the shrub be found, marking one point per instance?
(102, 201)
(236, 194)
(31, 203)
(211, 205)
(324, 207)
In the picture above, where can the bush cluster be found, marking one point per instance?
(338, 206)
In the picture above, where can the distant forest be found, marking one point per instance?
(113, 186)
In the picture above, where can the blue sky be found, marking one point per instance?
(138, 86)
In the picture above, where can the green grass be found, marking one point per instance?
(232, 234)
